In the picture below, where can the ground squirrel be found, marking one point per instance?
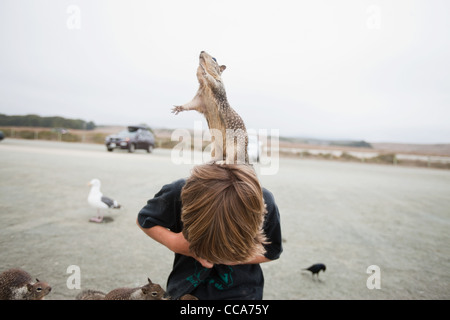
(188, 297)
(150, 291)
(16, 284)
(91, 295)
(211, 100)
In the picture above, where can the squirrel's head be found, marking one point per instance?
(209, 64)
(153, 291)
(38, 290)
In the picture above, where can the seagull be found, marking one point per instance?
(316, 268)
(97, 200)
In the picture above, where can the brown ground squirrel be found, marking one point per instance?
(150, 291)
(16, 284)
(211, 100)
(91, 295)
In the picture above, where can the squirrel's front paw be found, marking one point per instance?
(177, 109)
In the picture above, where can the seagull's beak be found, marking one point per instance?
(89, 184)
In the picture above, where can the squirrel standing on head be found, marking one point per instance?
(211, 100)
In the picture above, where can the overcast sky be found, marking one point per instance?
(349, 69)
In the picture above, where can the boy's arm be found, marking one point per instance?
(173, 241)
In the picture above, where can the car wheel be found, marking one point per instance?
(110, 149)
(131, 148)
(149, 148)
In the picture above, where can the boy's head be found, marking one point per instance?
(223, 213)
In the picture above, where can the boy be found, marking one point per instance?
(221, 225)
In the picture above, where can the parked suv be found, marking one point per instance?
(135, 137)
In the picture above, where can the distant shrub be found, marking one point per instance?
(305, 154)
(349, 157)
(33, 120)
(48, 135)
(354, 144)
(98, 138)
(6, 132)
(166, 143)
(26, 134)
(68, 137)
(384, 158)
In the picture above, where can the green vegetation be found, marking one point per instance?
(41, 134)
(33, 120)
(355, 144)
(384, 158)
(323, 142)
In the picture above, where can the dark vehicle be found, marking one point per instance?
(136, 137)
(1, 135)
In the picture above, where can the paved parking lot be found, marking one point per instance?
(349, 216)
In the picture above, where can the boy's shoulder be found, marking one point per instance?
(268, 198)
(178, 184)
(173, 187)
(267, 195)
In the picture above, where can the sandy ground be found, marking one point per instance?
(349, 216)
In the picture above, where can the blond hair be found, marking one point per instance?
(223, 213)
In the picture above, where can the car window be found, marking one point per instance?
(126, 133)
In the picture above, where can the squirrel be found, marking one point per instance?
(17, 284)
(150, 291)
(211, 100)
(91, 295)
(188, 296)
